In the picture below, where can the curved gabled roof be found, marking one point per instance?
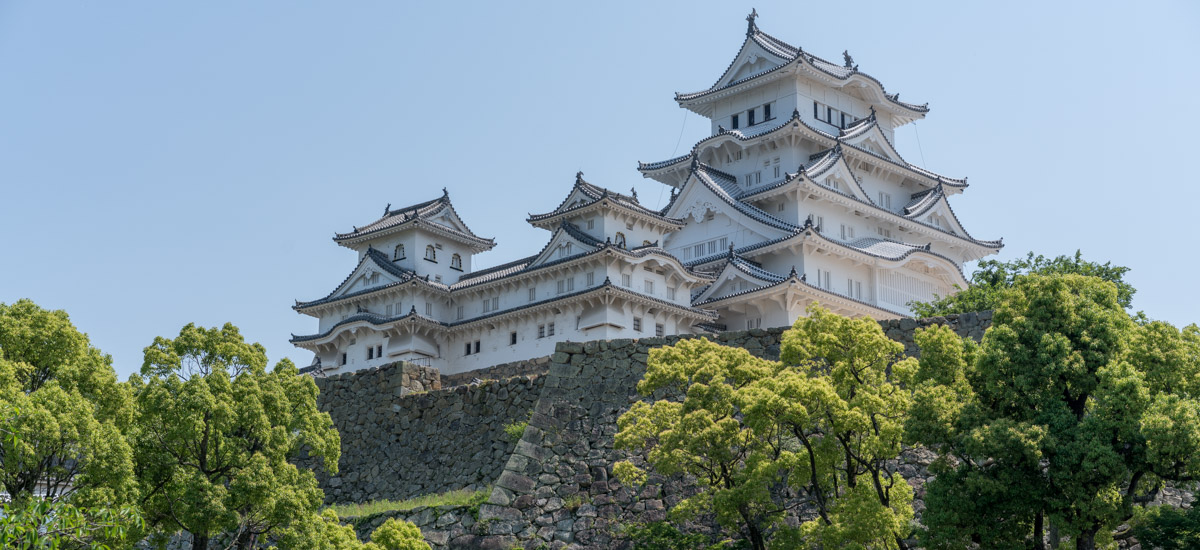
(591, 194)
(792, 56)
(412, 316)
(373, 256)
(416, 214)
(797, 280)
(819, 135)
(709, 176)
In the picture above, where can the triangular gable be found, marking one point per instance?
(449, 218)
(872, 138)
(564, 244)
(360, 279)
(939, 215)
(736, 277)
(752, 59)
(701, 196)
(837, 170)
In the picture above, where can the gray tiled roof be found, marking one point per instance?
(596, 194)
(791, 54)
(607, 285)
(422, 211)
(375, 257)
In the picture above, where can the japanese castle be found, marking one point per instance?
(798, 196)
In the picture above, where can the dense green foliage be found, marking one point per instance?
(1168, 528)
(458, 497)
(991, 278)
(215, 431)
(662, 535)
(1068, 413)
(325, 532)
(821, 423)
(64, 459)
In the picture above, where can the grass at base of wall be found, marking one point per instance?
(461, 497)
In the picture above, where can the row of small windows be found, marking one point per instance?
(430, 255)
(834, 117)
(825, 281)
(703, 249)
(752, 116)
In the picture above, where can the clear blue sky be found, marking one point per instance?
(163, 163)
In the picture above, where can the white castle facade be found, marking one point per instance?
(798, 196)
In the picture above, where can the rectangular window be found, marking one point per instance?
(819, 221)
(626, 280)
(591, 278)
(379, 351)
(712, 247)
(512, 338)
(532, 294)
(737, 155)
(885, 233)
(776, 171)
(857, 290)
(477, 346)
(671, 292)
(648, 287)
(749, 181)
(495, 303)
(758, 177)
(399, 310)
(592, 223)
(370, 353)
(754, 323)
(560, 286)
(733, 121)
(428, 309)
(541, 331)
(468, 349)
(389, 310)
(437, 278)
(767, 111)
(659, 330)
(637, 324)
(847, 232)
(571, 284)
(750, 117)
(780, 207)
(885, 200)
(550, 329)
(343, 359)
(487, 305)
(458, 312)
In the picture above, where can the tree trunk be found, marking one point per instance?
(1086, 540)
(199, 541)
(1054, 537)
(756, 536)
(1038, 541)
(246, 540)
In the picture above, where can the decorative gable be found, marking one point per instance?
(566, 242)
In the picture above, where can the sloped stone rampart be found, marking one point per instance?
(557, 489)
(397, 444)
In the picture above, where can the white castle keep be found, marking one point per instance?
(798, 196)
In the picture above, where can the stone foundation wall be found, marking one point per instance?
(557, 489)
(528, 367)
(398, 443)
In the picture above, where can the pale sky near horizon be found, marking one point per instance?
(166, 163)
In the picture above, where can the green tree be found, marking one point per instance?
(991, 278)
(840, 393)
(65, 456)
(764, 437)
(214, 434)
(324, 532)
(705, 436)
(1068, 412)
